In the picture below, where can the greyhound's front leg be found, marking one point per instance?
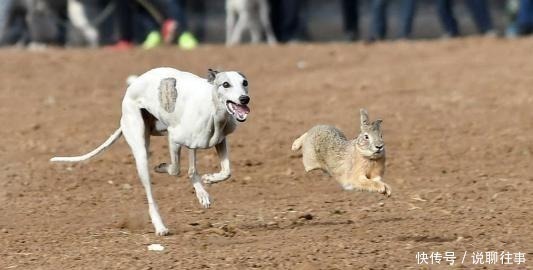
(174, 167)
(225, 172)
(201, 193)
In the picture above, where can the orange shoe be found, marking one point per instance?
(169, 31)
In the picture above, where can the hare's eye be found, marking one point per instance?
(366, 137)
(226, 85)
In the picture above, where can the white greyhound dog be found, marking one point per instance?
(252, 15)
(195, 112)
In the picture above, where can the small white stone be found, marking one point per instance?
(156, 247)
(301, 64)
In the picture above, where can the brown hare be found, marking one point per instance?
(356, 164)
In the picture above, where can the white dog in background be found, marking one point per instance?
(195, 112)
(251, 15)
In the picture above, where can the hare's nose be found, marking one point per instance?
(379, 147)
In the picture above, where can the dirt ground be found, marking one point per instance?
(457, 126)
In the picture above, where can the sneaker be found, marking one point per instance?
(152, 40)
(187, 41)
(169, 31)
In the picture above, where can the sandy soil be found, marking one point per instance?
(457, 122)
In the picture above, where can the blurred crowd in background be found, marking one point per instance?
(123, 24)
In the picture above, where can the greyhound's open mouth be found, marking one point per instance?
(239, 111)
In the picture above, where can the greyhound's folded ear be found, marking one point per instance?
(211, 75)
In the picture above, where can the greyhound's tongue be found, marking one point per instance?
(241, 109)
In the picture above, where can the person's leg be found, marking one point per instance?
(289, 20)
(378, 28)
(408, 14)
(350, 12)
(481, 15)
(448, 21)
(173, 10)
(199, 28)
(6, 24)
(42, 23)
(125, 20)
(147, 28)
(525, 17)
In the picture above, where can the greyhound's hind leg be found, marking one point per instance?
(133, 129)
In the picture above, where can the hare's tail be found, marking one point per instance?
(114, 137)
(297, 144)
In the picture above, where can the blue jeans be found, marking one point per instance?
(478, 8)
(378, 28)
(525, 17)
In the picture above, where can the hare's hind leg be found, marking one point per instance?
(309, 159)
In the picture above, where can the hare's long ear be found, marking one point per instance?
(364, 118)
(211, 75)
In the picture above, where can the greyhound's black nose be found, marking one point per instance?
(244, 99)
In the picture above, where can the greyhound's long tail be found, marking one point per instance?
(297, 144)
(113, 138)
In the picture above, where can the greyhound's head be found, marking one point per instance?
(232, 91)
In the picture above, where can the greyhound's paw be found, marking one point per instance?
(162, 231)
(203, 198)
(166, 168)
(215, 177)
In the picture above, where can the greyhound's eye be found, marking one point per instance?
(226, 85)
(245, 83)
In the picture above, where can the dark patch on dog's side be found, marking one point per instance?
(168, 94)
(211, 75)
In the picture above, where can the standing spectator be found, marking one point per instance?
(287, 22)
(479, 10)
(525, 17)
(378, 26)
(28, 22)
(407, 17)
(511, 15)
(350, 17)
(125, 15)
(176, 27)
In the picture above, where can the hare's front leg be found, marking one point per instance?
(372, 185)
(225, 171)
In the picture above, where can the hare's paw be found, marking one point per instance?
(383, 188)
